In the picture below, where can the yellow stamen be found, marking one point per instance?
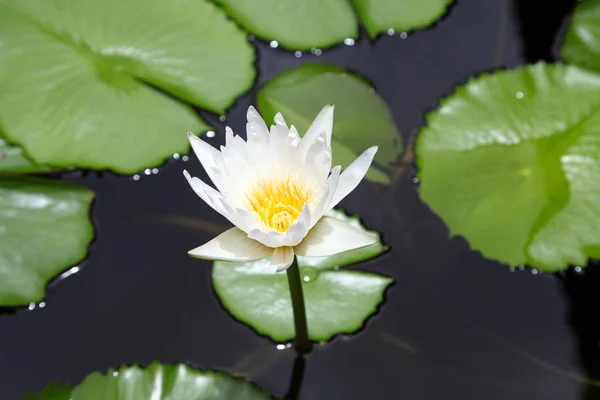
(278, 203)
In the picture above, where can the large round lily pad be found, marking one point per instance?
(45, 227)
(511, 161)
(337, 300)
(96, 84)
(362, 119)
(378, 16)
(156, 382)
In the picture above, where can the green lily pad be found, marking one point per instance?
(12, 159)
(362, 119)
(298, 25)
(582, 41)
(45, 227)
(83, 83)
(53, 391)
(159, 382)
(337, 300)
(511, 161)
(401, 15)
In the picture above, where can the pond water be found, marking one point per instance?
(454, 325)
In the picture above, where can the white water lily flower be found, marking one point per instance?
(275, 188)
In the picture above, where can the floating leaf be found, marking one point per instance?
(53, 392)
(81, 83)
(45, 227)
(12, 159)
(362, 118)
(378, 16)
(298, 25)
(582, 41)
(337, 301)
(511, 161)
(160, 382)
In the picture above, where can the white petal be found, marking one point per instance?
(317, 159)
(257, 135)
(332, 236)
(231, 245)
(210, 196)
(327, 195)
(256, 127)
(282, 258)
(322, 123)
(206, 155)
(351, 176)
(234, 154)
(279, 120)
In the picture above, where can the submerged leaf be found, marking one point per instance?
(337, 300)
(45, 227)
(81, 83)
(362, 118)
(511, 161)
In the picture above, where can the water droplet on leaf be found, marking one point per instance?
(309, 274)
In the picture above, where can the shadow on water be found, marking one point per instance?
(583, 292)
(539, 23)
(296, 379)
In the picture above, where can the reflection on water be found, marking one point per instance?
(454, 325)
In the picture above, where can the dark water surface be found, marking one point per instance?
(454, 325)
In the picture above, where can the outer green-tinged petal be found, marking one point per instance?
(282, 258)
(331, 236)
(232, 245)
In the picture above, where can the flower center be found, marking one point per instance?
(277, 203)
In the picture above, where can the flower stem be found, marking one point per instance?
(302, 344)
